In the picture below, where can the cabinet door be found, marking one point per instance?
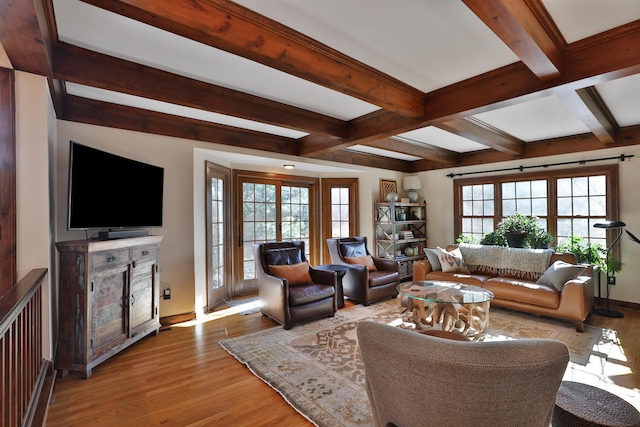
(143, 300)
(109, 309)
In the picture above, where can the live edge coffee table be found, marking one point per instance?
(453, 305)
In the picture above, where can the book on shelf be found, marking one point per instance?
(407, 234)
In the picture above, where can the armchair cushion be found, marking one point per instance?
(283, 256)
(366, 260)
(295, 274)
(353, 249)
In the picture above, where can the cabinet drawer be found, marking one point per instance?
(108, 259)
(144, 254)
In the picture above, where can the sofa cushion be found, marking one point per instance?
(467, 279)
(295, 273)
(560, 273)
(521, 290)
(353, 249)
(451, 261)
(432, 256)
(366, 260)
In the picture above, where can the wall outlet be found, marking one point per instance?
(611, 280)
(166, 294)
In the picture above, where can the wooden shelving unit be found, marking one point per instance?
(401, 233)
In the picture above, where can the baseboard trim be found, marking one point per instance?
(615, 303)
(177, 318)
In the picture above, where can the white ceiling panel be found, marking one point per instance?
(579, 19)
(544, 118)
(380, 152)
(441, 138)
(93, 28)
(427, 44)
(622, 96)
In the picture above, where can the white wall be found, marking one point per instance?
(438, 191)
(32, 186)
(182, 251)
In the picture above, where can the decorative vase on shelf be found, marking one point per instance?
(391, 197)
(413, 196)
(408, 251)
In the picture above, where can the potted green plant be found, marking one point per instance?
(494, 238)
(538, 238)
(516, 227)
(586, 252)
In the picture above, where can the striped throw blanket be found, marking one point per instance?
(502, 261)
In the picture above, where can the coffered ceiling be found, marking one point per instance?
(408, 85)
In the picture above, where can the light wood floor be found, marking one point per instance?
(182, 377)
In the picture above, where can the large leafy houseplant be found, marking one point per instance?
(522, 230)
(586, 252)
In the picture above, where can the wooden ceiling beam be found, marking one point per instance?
(525, 31)
(83, 110)
(82, 66)
(417, 149)
(589, 107)
(27, 33)
(604, 57)
(482, 133)
(368, 160)
(575, 144)
(233, 28)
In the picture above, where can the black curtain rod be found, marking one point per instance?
(621, 158)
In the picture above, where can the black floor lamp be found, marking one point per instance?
(611, 279)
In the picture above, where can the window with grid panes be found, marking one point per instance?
(567, 201)
(478, 209)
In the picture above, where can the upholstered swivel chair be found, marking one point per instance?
(290, 290)
(368, 278)
(419, 380)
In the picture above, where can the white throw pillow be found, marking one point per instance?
(559, 273)
(432, 256)
(451, 262)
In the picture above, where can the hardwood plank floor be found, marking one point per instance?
(182, 377)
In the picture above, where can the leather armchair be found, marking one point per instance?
(414, 379)
(284, 299)
(360, 283)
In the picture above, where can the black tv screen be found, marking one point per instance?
(112, 192)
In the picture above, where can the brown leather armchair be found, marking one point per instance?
(291, 292)
(362, 283)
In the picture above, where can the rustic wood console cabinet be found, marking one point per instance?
(109, 299)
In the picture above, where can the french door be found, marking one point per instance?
(339, 210)
(218, 234)
(272, 208)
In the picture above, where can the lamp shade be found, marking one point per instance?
(609, 224)
(411, 182)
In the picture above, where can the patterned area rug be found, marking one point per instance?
(317, 366)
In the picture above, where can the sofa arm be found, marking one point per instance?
(386, 264)
(421, 269)
(576, 298)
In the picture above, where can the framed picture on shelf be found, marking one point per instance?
(386, 187)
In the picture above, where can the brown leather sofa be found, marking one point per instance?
(573, 303)
(359, 283)
(284, 300)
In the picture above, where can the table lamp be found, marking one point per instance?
(611, 280)
(411, 184)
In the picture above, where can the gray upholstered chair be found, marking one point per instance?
(362, 283)
(419, 380)
(290, 290)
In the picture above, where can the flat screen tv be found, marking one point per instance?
(112, 192)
